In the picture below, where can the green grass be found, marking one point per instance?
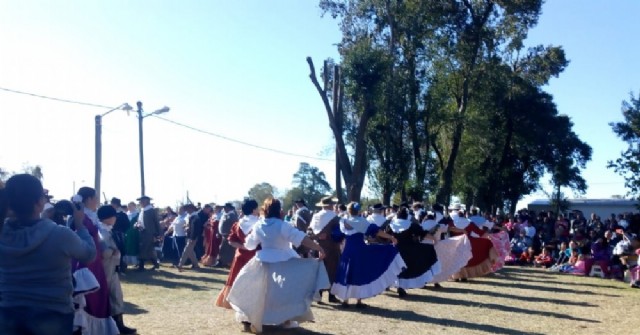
(512, 301)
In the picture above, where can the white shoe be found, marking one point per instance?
(291, 324)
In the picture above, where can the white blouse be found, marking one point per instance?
(275, 236)
(358, 225)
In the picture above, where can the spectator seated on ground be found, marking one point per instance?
(544, 259)
(520, 243)
(579, 268)
(527, 257)
(569, 264)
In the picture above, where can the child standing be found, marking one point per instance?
(110, 260)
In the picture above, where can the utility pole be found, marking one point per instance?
(98, 149)
(140, 143)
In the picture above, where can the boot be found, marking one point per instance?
(124, 330)
(140, 265)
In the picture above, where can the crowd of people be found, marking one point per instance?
(61, 262)
(575, 245)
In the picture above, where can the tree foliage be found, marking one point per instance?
(628, 164)
(452, 99)
(34, 170)
(310, 184)
(260, 192)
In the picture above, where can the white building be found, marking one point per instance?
(602, 207)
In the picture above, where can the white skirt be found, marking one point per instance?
(453, 254)
(272, 293)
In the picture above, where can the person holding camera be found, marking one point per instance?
(111, 260)
(35, 261)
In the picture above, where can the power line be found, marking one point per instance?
(55, 99)
(170, 121)
(241, 142)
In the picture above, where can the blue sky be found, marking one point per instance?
(237, 69)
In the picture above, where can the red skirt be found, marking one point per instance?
(211, 245)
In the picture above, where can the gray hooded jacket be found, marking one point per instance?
(35, 264)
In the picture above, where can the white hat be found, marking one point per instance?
(47, 207)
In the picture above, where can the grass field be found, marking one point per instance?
(512, 301)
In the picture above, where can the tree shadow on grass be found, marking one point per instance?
(515, 297)
(545, 281)
(277, 330)
(162, 278)
(523, 286)
(501, 308)
(524, 271)
(406, 315)
(133, 309)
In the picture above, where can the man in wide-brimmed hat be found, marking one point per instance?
(320, 228)
(301, 220)
(149, 226)
(229, 217)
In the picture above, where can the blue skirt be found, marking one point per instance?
(366, 270)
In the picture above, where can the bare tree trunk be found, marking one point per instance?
(353, 175)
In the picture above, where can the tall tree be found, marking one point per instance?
(311, 182)
(628, 164)
(260, 192)
(362, 69)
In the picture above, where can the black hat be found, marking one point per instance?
(326, 201)
(437, 207)
(116, 202)
(395, 207)
(144, 197)
(64, 207)
(378, 207)
(228, 205)
(300, 201)
(106, 212)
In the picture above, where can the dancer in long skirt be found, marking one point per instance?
(96, 316)
(484, 254)
(453, 252)
(277, 287)
(420, 258)
(237, 238)
(212, 241)
(365, 270)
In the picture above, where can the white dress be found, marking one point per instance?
(276, 285)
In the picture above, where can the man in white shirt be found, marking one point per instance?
(178, 233)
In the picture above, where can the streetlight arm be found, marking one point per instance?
(125, 107)
(162, 110)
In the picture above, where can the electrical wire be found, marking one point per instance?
(241, 142)
(172, 122)
(55, 99)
